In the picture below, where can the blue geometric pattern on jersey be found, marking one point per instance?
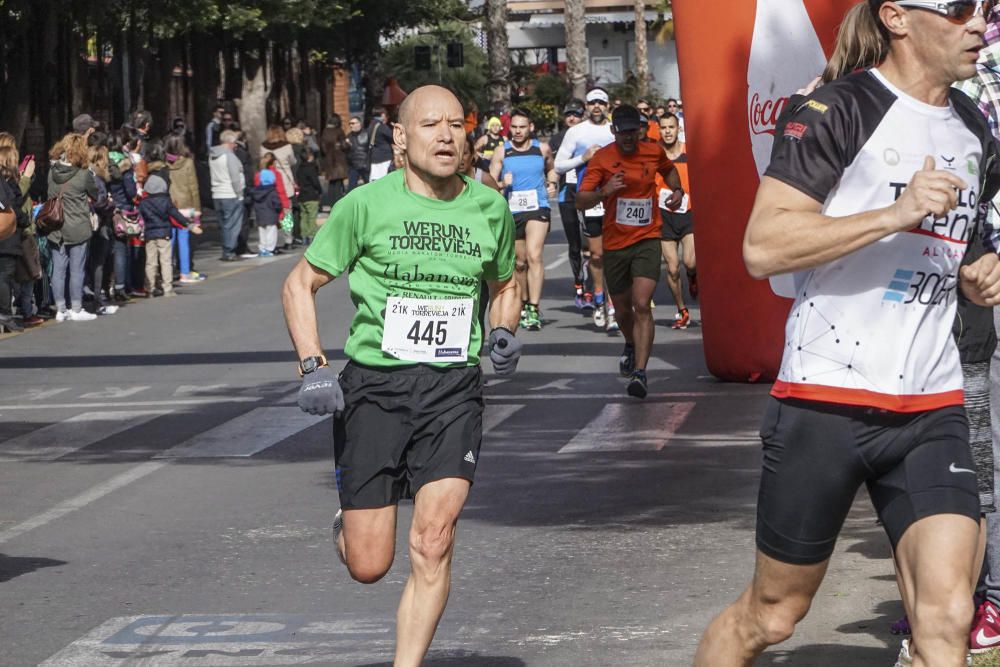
(899, 286)
(528, 168)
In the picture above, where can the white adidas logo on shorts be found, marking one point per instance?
(470, 458)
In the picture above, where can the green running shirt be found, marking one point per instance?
(395, 243)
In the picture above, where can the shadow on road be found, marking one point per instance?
(15, 566)
(464, 660)
(825, 655)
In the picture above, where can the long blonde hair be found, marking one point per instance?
(8, 162)
(98, 157)
(862, 42)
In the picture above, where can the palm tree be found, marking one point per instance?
(576, 47)
(641, 52)
(499, 53)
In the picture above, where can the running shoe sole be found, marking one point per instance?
(637, 388)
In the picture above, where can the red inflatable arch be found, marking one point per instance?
(739, 63)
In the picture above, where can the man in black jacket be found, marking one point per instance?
(357, 153)
(380, 141)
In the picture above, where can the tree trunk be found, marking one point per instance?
(252, 104)
(498, 52)
(17, 90)
(205, 65)
(576, 47)
(641, 51)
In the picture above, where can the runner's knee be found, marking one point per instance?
(776, 622)
(432, 543)
(521, 267)
(945, 618)
(368, 569)
(596, 260)
(642, 308)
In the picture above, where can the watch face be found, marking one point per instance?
(309, 365)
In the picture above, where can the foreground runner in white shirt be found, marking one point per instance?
(870, 199)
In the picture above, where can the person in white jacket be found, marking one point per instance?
(228, 186)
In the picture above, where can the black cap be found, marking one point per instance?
(625, 119)
(574, 107)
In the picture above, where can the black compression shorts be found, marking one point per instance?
(404, 428)
(521, 220)
(817, 455)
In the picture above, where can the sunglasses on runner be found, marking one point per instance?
(959, 11)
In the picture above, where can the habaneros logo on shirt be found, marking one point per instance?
(435, 237)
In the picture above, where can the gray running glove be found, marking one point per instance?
(505, 351)
(321, 393)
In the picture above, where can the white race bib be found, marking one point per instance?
(665, 195)
(635, 212)
(427, 330)
(522, 201)
(596, 212)
(571, 177)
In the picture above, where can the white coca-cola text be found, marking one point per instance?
(764, 114)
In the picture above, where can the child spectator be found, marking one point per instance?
(267, 209)
(157, 209)
(310, 191)
(269, 162)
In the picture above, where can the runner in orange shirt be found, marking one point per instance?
(623, 176)
(678, 223)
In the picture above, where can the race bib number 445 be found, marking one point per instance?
(427, 330)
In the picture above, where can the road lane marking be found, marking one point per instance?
(115, 392)
(629, 427)
(56, 440)
(498, 414)
(245, 435)
(203, 400)
(82, 500)
(559, 262)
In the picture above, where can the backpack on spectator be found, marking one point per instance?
(127, 223)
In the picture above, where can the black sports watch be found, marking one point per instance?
(310, 364)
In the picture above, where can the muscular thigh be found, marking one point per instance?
(811, 474)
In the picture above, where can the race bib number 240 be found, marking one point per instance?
(427, 330)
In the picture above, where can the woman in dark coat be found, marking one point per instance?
(334, 160)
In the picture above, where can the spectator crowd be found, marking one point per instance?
(114, 215)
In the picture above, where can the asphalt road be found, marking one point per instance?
(163, 502)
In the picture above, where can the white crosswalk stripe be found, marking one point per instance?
(246, 435)
(630, 427)
(65, 437)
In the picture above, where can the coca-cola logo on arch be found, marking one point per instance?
(764, 113)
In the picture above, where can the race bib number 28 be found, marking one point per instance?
(427, 330)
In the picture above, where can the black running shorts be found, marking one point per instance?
(404, 428)
(521, 220)
(817, 455)
(593, 226)
(676, 225)
(639, 260)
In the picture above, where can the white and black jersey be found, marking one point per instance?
(874, 328)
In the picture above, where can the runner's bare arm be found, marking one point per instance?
(505, 304)
(299, 299)
(496, 163)
(551, 175)
(491, 182)
(673, 181)
(787, 232)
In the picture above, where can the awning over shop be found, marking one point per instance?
(556, 20)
